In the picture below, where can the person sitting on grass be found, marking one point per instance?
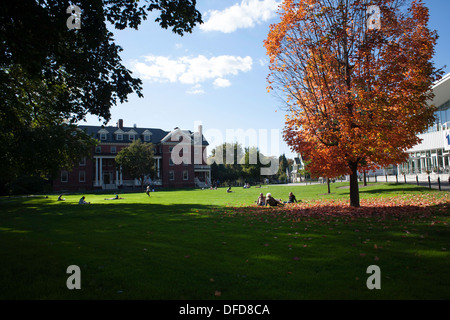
(60, 198)
(229, 189)
(292, 198)
(261, 200)
(83, 201)
(115, 198)
(272, 201)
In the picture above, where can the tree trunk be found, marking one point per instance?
(365, 179)
(328, 183)
(354, 188)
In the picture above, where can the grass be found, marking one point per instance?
(207, 244)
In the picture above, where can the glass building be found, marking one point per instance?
(432, 154)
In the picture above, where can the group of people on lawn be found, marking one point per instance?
(262, 200)
(268, 200)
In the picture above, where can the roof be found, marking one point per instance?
(156, 135)
(183, 136)
(441, 90)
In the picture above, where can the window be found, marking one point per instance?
(185, 175)
(119, 137)
(103, 136)
(64, 176)
(131, 137)
(82, 176)
(147, 137)
(82, 161)
(170, 149)
(98, 149)
(170, 161)
(113, 150)
(171, 175)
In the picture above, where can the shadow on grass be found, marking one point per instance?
(172, 251)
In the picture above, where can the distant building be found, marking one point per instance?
(296, 167)
(432, 154)
(99, 170)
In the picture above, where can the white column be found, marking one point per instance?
(101, 171)
(96, 171)
(158, 168)
(121, 177)
(117, 178)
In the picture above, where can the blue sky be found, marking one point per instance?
(216, 76)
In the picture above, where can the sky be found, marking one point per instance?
(216, 75)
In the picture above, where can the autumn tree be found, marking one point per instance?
(356, 86)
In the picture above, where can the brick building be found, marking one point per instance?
(179, 159)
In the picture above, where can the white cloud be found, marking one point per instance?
(191, 70)
(244, 15)
(221, 83)
(197, 89)
(263, 62)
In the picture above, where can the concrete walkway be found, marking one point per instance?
(422, 181)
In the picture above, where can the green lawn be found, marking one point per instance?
(207, 244)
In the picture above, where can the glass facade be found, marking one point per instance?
(443, 118)
(431, 161)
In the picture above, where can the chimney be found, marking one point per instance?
(120, 124)
(200, 132)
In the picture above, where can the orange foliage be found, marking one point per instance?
(356, 98)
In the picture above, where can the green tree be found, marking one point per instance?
(137, 161)
(283, 165)
(228, 157)
(229, 162)
(52, 77)
(251, 168)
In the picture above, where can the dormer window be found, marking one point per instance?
(132, 135)
(119, 134)
(103, 134)
(147, 135)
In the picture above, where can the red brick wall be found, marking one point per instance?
(178, 170)
(73, 183)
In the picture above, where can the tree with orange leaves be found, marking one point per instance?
(357, 87)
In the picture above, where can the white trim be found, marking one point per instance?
(177, 133)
